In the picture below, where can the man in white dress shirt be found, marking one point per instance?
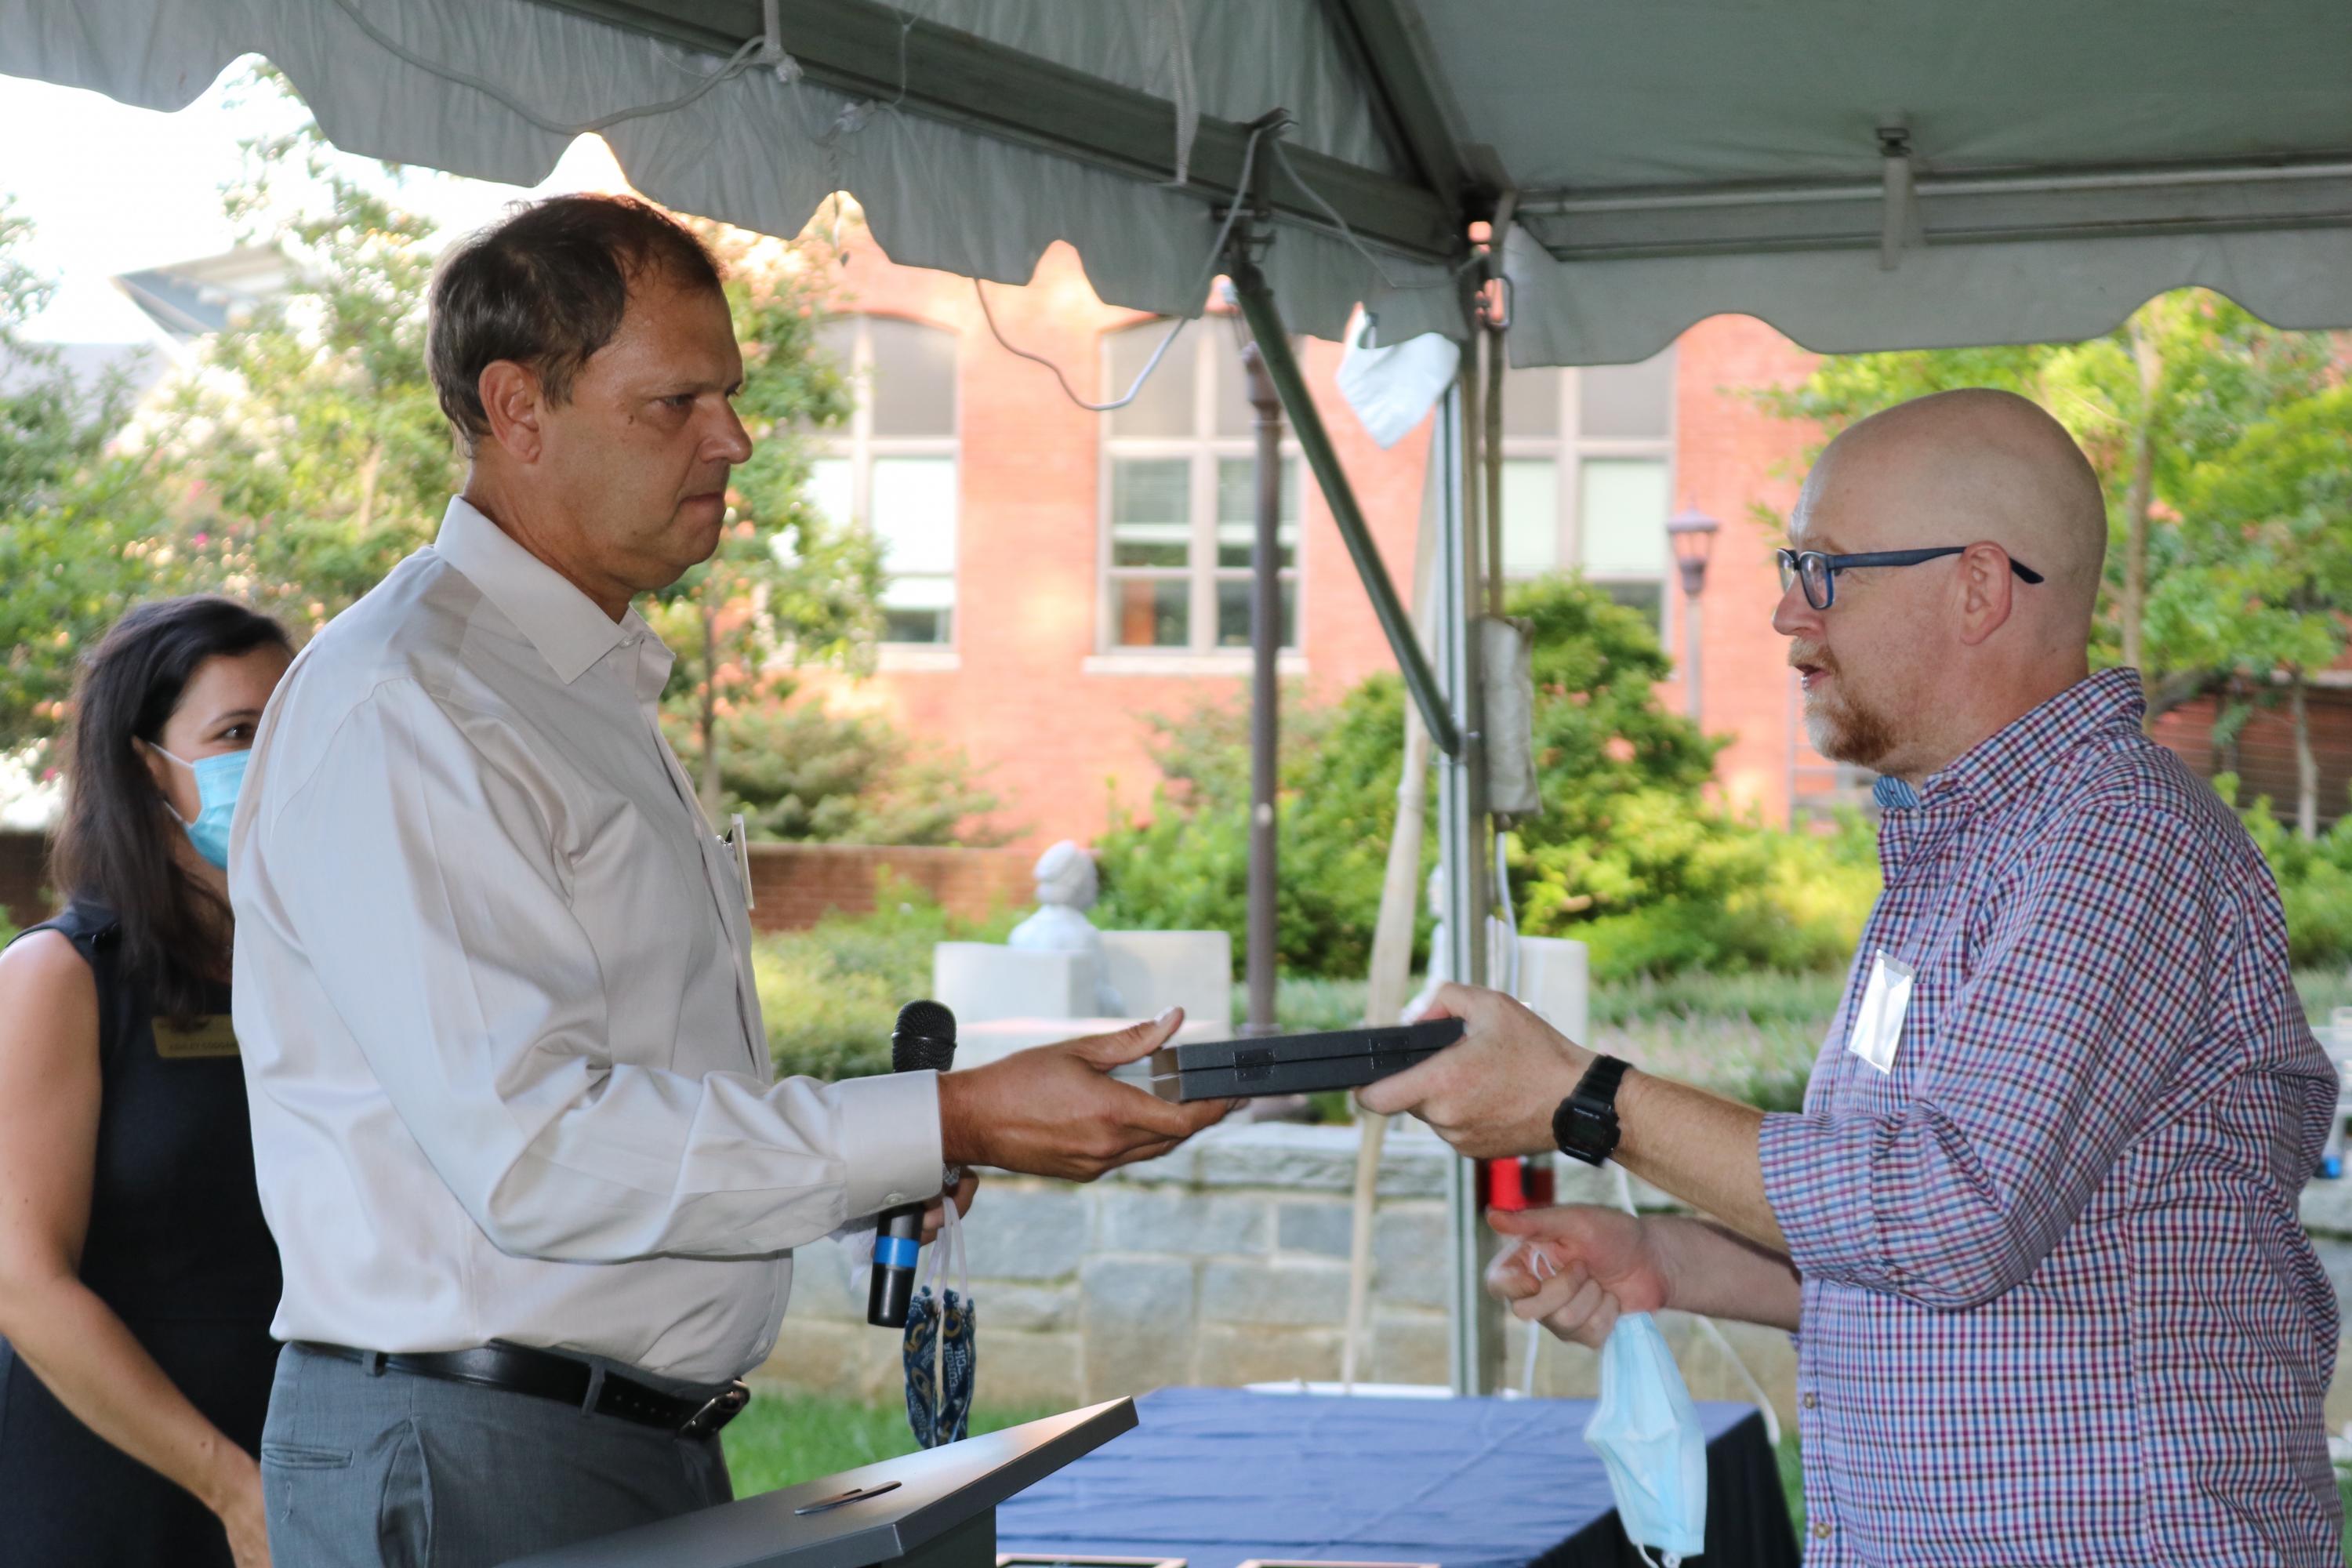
(517, 1133)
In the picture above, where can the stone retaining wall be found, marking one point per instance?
(1226, 1262)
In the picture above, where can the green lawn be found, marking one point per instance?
(781, 1440)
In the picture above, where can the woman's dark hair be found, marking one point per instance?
(547, 288)
(115, 847)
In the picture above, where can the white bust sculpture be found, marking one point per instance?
(1066, 890)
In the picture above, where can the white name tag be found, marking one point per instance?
(1878, 1022)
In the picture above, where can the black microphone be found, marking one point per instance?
(925, 1038)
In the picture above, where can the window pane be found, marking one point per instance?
(918, 609)
(1532, 402)
(1151, 611)
(1628, 400)
(1234, 613)
(1622, 509)
(1530, 516)
(914, 383)
(1237, 511)
(829, 490)
(1164, 406)
(915, 514)
(1151, 512)
(920, 592)
(836, 337)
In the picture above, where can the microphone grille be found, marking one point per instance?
(925, 1038)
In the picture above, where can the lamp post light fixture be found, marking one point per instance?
(1692, 534)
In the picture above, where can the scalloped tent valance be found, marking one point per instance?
(1860, 175)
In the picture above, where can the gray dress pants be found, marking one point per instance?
(363, 1469)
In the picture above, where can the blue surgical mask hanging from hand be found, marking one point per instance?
(218, 778)
(1648, 1434)
(940, 1356)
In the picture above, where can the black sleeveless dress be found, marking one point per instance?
(177, 1246)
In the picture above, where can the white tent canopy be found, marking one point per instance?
(1860, 175)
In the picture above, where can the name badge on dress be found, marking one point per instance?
(1878, 1022)
(211, 1037)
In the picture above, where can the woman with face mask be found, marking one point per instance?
(136, 1278)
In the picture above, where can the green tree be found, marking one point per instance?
(788, 585)
(2172, 389)
(2266, 568)
(73, 517)
(309, 453)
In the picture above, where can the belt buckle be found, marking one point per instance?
(717, 1411)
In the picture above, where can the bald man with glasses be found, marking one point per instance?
(2037, 1219)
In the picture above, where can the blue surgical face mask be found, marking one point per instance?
(1648, 1434)
(218, 778)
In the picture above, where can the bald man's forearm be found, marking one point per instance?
(1700, 1148)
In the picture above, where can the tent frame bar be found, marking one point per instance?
(1389, 57)
(1264, 320)
(1984, 207)
(858, 46)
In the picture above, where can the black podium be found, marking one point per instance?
(933, 1510)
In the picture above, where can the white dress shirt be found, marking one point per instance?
(494, 995)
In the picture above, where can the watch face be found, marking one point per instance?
(1585, 1132)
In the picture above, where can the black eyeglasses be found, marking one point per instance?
(1819, 572)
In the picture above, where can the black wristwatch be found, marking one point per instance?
(1585, 1125)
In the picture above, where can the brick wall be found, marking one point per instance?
(24, 877)
(793, 884)
(1061, 734)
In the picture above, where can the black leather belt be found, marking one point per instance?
(518, 1369)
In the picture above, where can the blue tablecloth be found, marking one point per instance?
(1218, 1476)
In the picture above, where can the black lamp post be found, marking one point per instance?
(1692, 532)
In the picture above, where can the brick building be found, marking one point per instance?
(1057, 574)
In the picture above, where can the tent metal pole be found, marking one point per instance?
(1265, 644)
(1475, 1340)
(1265, 320)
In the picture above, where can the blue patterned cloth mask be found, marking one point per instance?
(939, 1354)
(218, 779)
(1648, 1434)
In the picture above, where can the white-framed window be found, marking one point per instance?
(1179, 496)
(1588, 476)
(893, 469)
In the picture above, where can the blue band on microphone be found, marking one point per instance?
(897, 1251)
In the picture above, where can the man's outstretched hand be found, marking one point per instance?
(1493, 1092)
(1055, 1110)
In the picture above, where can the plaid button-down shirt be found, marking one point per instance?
(2058, 1307)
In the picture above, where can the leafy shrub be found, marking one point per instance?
(797, 771)
(1625, 856)
(1748, 898)
(2313, 876)
(1188, 867)
(830, 994)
